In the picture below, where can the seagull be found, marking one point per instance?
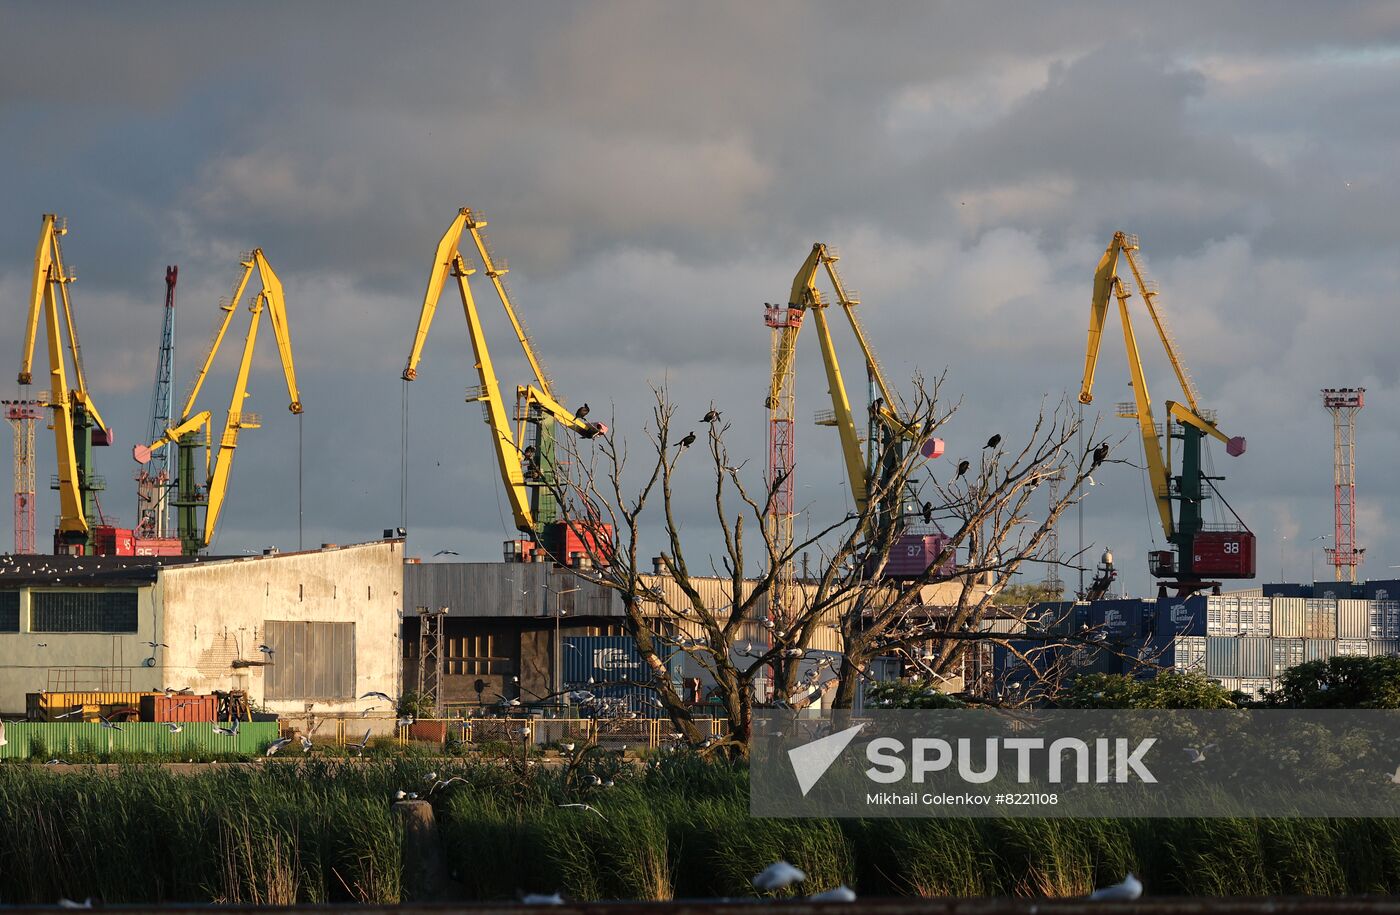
(569, 748)
(155, 645)
(962, 467)
(230, 731)
(383, 696)
(1196, 756)
(266, 650)
(360, 747)
(581, 412)
(77, 710)
(276, 745)
(585, 807)
(593, 781)
(993, 441)
(42, 645)
(445, 782)
(305, 744)
(711, 417)
(174, 728)
(1130, 888)
(1100, 454)
(405, 721)
(842, 893)
(777, 876)
(365, 712)
(57, 762)
(447, 553)
(107, 724)
(541, 899)
(70, 904)
(688, 440)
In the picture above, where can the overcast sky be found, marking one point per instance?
(655, 172)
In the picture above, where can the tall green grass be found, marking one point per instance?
(678, 827)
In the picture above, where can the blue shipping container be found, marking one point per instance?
(610, 666)
(1122, 620)
(1381, 589)
(1181, 616)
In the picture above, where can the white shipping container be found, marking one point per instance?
(1378, 647)
(1287, 653)
(1319, 618)
(1190, 653)
(1353, 648)
(1222, 615)
(1256, 616)
(1288, 617)
(1353, 619)
(1255, 686)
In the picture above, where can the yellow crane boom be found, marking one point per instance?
(508, 446)
(271, 299)
(76, 422)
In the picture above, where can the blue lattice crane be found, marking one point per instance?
(153, 483)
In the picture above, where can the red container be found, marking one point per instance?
(912, 554)
(1225, 554)
(157, 546)
(179, 708)
(432, 731)
(593, 541)
(114, 541)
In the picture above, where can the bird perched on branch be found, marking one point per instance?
(928, 512)
(688, 440)
(1100, 454)
(962, 468)
(711, 417)
(994, 441)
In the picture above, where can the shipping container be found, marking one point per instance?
(1222, 656)
(1332, 590)
(1256, 657)
(1256, 617)
(1353, 619)
(59, 739)
(1123, 621)
(159, 707)
(159, 546)
(1285, 590)
(1319, 618)
(1229, 683)
(429, 731)
(113, 541)
(1222, 615)
(1353, 648)
(1181, 616)
(1255, 686)
(610, 667)
(1383, 647)
(1318, 650)
(1384, 589)
(1058, 617)
(1383, 619)
(1288, 653)
(1229, 554)
(48, 706)
(1189, 654)
(1288, 617)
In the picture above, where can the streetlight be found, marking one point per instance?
(1313, 554)
(558, 612)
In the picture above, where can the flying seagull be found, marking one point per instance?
(108, 724)
(266, 650)
(230, 731)
(1129, 889)
(276, 745)
(77, 710)
(711, 417)
(1196, 755)
(688, 440)
(994, 441)
(173, 727)
(962, 467)
(586, 807)
(777, 876)
(155, 645)
(383, 696)
(447, 553)
(305, 744)
(360, 747)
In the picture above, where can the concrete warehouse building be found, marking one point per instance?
(331, 616)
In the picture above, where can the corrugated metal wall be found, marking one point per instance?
(1287, 653)
(1319, 618)
(1256, 657)
(1353, 619)
(25, 738)
(311, 660)
(1318, 650)
(1222, 656)
(1288, 617)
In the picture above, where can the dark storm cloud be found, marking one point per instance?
(655, 172)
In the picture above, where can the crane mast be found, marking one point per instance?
(1201, 553)
(153, 480)
(77, 425)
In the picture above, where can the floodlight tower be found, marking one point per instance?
(21, 415)
(1344, 404)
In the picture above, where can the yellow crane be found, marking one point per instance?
(193, 429)
(1225, 553)
(527, 468)
(889, 429)
(77, 424)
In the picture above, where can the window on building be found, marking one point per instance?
(475, 655)
(83, 611)
(312, 660)
(9, 611)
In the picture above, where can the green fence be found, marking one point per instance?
(60, 737)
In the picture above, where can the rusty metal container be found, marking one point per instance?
(159, 707)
